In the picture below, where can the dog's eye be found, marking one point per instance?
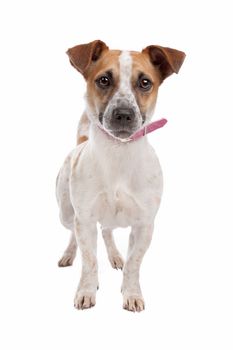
(144, 84)
(103, 82)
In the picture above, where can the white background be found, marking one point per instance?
(187, 273)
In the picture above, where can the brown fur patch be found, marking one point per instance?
(167, 60)
(97, 98)
(82, 139)
(82, 56)
(142, 64)
(83, 129)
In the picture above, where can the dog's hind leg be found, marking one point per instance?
(66, 212)
(70, 252)
(114, 256)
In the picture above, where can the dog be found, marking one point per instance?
(113, 176)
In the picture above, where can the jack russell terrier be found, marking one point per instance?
(113, 176)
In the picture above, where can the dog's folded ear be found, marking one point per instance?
(82, 56)
(167, 60)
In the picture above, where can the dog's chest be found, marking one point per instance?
(116, 208)
(117, 187)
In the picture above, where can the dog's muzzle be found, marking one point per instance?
(122, 116)
(122, 121)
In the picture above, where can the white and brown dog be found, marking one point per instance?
(111, 177)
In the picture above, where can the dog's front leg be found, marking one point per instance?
(87, 240)
(139, 241)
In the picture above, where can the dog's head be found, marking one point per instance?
(122, 86)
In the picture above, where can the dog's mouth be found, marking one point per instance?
(122, 134)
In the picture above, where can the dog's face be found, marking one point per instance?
(122, 86)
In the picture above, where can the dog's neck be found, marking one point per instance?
(105, 146)
(118, 161)
(100, 136)
(122, 158)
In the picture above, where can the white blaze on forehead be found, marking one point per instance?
(125, 60)
(124, 96)
(125, 91)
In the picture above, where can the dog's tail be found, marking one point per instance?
(83, 129)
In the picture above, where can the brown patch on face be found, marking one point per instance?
(98, 98)
(141, 65)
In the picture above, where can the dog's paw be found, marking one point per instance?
(116, 261)
(133, 303)
(66, 260)
(84, 300)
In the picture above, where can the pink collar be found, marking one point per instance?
(142, 132)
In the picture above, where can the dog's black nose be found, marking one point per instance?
(123, 115)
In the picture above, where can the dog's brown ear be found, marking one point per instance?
(81, 56)
(167, 60)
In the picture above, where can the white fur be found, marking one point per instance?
(117, 185)
(125, 89)
(125, 61)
